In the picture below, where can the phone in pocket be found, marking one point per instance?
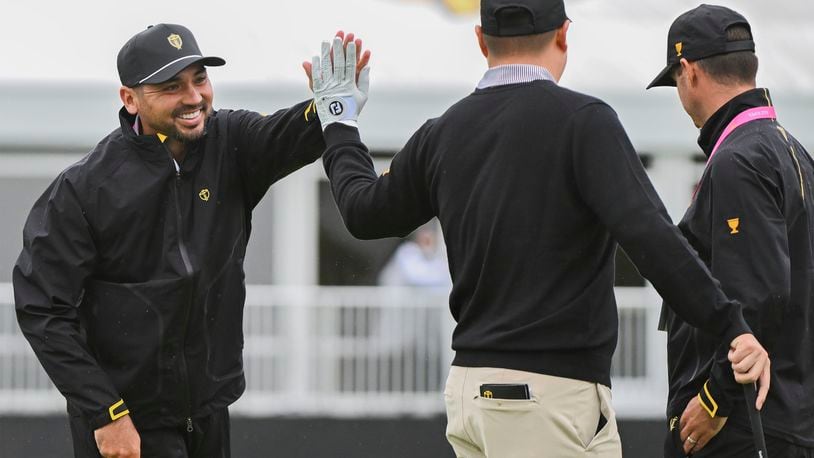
(505, 391)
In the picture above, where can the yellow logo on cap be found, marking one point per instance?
(679, 46)
(204, 194)
(175, 41)
(733, 224)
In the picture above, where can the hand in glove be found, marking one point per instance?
(337, 95)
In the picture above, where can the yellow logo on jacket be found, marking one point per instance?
(488, 394)
(733, 224)
(204, 194)
(175, 41)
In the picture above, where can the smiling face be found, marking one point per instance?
(177, 108)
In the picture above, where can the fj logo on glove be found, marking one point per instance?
(336, 108)
(336, 93)
(733, 225)
(175, 41)
(204, 195)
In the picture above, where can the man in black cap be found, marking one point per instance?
(533, 185)
(130, 285)
(752, 221)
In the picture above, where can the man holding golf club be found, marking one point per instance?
(751, 220)
(533, 185)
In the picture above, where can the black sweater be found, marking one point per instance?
(763, 177)
(532, 184)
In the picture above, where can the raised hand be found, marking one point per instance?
(338, 96)
(362, 57)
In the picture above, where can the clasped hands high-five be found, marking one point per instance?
(340, 79)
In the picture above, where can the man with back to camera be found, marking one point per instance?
(532, 183)
(130, 285)
(751, 221)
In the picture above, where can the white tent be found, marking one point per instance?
(617, 44)
(59, 59)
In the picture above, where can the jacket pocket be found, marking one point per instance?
(132, 329)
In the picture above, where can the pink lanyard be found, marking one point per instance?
(752, 114)
(749, 115)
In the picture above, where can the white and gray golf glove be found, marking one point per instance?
(337, 96)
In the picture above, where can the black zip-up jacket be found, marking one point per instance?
(130, 284)
(752, 222)
(533, 185)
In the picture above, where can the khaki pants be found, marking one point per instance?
(559, 421)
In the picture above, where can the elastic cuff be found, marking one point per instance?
(713, 400)
(115, 411)
(337, 133)
(350, 122)
(737, 327)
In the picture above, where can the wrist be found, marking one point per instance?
(112, 413)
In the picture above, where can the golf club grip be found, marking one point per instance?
(750, 393)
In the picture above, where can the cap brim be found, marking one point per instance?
(664, 78)
(168, 71)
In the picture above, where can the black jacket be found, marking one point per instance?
(130, 284)
(534, 185)
(764, 178)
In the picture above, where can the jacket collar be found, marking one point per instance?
(152, 145)
(716, 123)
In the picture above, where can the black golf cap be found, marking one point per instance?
(511, 18)
(700, 33)
(159, 53)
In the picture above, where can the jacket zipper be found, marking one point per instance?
(188, 267)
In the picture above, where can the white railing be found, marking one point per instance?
(354, 351)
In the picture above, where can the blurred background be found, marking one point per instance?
(347, 342)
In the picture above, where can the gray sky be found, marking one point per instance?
(614, 44)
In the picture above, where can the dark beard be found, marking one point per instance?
(187, 138)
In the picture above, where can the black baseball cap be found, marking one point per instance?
(700, 33)
(511, 18)
(159, 53)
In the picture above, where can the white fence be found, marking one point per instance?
(355, 351)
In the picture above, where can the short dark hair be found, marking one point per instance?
(736, 67)
(524, 44)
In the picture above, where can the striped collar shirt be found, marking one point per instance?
(513, 74)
